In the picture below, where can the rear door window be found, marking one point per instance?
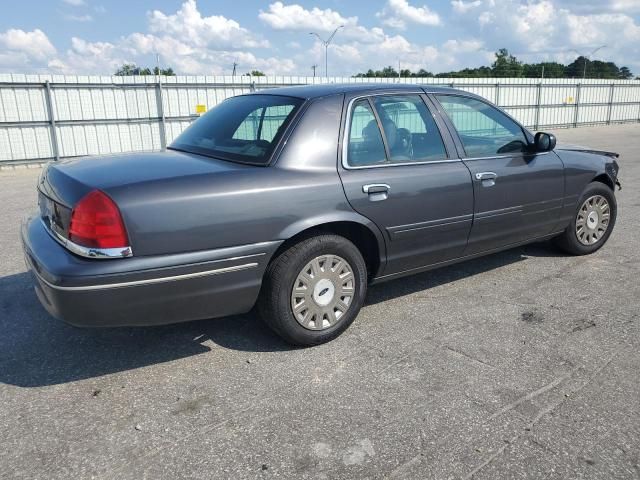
(365, 145)
(409, 128)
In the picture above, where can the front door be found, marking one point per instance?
(518, 194)
(401, 171)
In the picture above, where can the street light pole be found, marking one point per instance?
(326, 44)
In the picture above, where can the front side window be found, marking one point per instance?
(484, 130)
(365, 146)
(409, 128)
(242, 129)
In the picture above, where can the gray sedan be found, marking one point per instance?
(295, 199)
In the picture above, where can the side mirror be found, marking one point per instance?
(544, 142)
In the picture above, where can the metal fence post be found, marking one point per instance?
(613, 86)
(575, 118)
(498, 94)
(52, 121)
(163, 120)
(538, 102)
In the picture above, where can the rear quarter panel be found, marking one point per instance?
(202, 212)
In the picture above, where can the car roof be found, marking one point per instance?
(322, 90)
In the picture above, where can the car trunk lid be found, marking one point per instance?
(63, 184)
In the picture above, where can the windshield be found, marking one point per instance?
(241, 129)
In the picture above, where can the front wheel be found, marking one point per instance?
(592, 223)
(314, 290)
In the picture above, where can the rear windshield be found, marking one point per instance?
(241, 129)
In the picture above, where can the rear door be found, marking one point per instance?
(399, 168)
(518, 194)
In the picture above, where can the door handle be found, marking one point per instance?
(486, 176)
(488, 179)
(376, 188)
(376, 191)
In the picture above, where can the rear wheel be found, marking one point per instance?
(593, 221)
(314, 290)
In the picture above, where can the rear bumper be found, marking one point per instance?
(141, 291)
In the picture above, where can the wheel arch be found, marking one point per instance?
(606, 179)
(364, 234)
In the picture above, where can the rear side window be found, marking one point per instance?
(243, 129)
(409, 128)
(365, 140)
(484, 130)
(263, 123)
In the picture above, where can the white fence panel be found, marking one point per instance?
(46, 117)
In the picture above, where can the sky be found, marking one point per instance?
(206, 37)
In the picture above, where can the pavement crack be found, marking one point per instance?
(541, 414)
(466, 355)
(529, 396)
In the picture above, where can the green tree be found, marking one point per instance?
(127, 69)
(255, 73)
(543, 69)
(422, 73)
(506, 65)
(583, 67)
(167, 72)
(481, 72)
(625, 73)
(133, 69)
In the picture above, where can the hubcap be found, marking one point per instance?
(322, 292)
(592, 221)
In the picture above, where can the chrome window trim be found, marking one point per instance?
(511, 155)
(347, 130)
(89, 252)
(385, 165)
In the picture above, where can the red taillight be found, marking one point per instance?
(96, 222)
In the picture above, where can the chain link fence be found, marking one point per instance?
(45, 117)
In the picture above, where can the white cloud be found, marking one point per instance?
(75, 3)
(549, 30)
(185, 40)
(215, 31)
(599, 6)
(89, 57)
(78, 18)
(193, 43)
(463, 46)
(460, 6)
(626, 6)
(397, 13)
(34, 44)
(296, 18)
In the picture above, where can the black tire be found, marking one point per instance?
(274, 304)
(568, 241)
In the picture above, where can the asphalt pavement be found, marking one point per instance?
(522, 364)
